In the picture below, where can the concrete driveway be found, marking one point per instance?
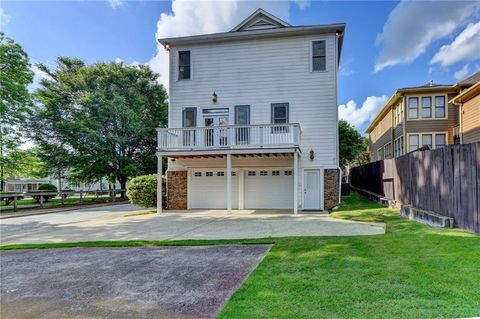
(112, 223)
(134, 282)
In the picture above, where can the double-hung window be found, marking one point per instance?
(319, 56)
(427, 140)
(440, 106)
(426, 107)
(440, 140)
(280, 116)
(413, 142)
(413, 107)
(184, 65)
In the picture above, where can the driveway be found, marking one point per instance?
(113, 223)
(140, 282)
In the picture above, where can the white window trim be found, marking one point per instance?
(177, 64)
(420, 113)
(311, 55)
(420, 136)
(398, 141)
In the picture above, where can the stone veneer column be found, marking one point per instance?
(330, 188)
(177, 189)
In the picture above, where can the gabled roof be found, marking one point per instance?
(471, 80)
(467, 94)
(260, 19)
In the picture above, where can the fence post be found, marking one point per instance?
(15, 202)
(81, 197)
(62, 198)
(41, 201)
(96, 194)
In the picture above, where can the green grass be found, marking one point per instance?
(29, 203)
(413, 271)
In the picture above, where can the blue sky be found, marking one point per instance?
(388, 44)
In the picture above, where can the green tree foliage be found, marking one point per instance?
(142, 190)
(15, 76)
(99, 120)
(352, 146)
(25, 163)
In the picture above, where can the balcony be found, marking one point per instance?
(229, 137)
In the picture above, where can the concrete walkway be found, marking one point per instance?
(113, 223)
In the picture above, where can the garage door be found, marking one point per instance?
(208, 189)
(269, 189)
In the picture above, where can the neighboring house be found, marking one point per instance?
(253, 117)
(414, 117)
(469, 106)
(21, 185)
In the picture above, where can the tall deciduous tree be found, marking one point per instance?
(99, 120)
(15, 76)
(352, 146)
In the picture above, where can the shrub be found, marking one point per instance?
(44, 188)
(142, 190)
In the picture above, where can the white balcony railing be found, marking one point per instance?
(229, 137)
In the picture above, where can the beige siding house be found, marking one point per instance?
(252, 118)
(414, 117)
(468, 102)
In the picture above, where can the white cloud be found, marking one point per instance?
(462, 73)
(4, 18)
(414, 25)
(116, 3)
(466, 46)
(199, 17)
(38, 75)
(358, 116)
(118, 60)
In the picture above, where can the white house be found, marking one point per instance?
(252, 120)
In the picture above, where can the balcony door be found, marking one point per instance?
(215, 122)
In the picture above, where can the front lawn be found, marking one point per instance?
(413, 271)
(30, 203)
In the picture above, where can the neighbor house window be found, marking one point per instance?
(440, 140)
(319, 62)
(427, 140)
(413, 142)
(279, 116)
(440, 106)
(426, 107)
(184, 65)
(413, 107)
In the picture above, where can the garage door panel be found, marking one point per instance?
(270, 190)
(208, 189)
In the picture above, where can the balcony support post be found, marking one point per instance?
(295, 182)
(159, 184)
(229, 183)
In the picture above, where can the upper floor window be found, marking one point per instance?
(440, 106)
(319, 56)
(398, 115)
(189, 117)
(413, 107)
(184, 65)
(426, 107)
(279, 116)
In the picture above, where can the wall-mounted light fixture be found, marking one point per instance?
(214, 97)
(312, 154)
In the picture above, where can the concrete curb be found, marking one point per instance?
(58, 210)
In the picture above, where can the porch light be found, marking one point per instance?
(214, 97)
(312, 154)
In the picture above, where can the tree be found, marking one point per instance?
(25, 163)
(352, 146)
(15, 76)
(99, 120)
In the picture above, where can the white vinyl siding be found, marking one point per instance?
(261, 72)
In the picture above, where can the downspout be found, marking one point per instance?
(337, 35)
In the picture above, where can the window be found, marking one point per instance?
(319, 58)
(398, 114)
(426, 107)
(242, 117)
(280, 116)
(440, 140)
(251, 173)
(263, 173)
(220, 173)
(387, 151)
(189, 119)
(413, 107)
(275, 173)
(198, 173)
(413, 142)
(427, 140)
(287, 173)
(398, 144)
(440, 106)
(184, 66)
(209, 174)
(234, 173)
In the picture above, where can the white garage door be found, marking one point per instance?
(208, 189)
(269, 189)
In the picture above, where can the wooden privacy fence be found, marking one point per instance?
(445, 181)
